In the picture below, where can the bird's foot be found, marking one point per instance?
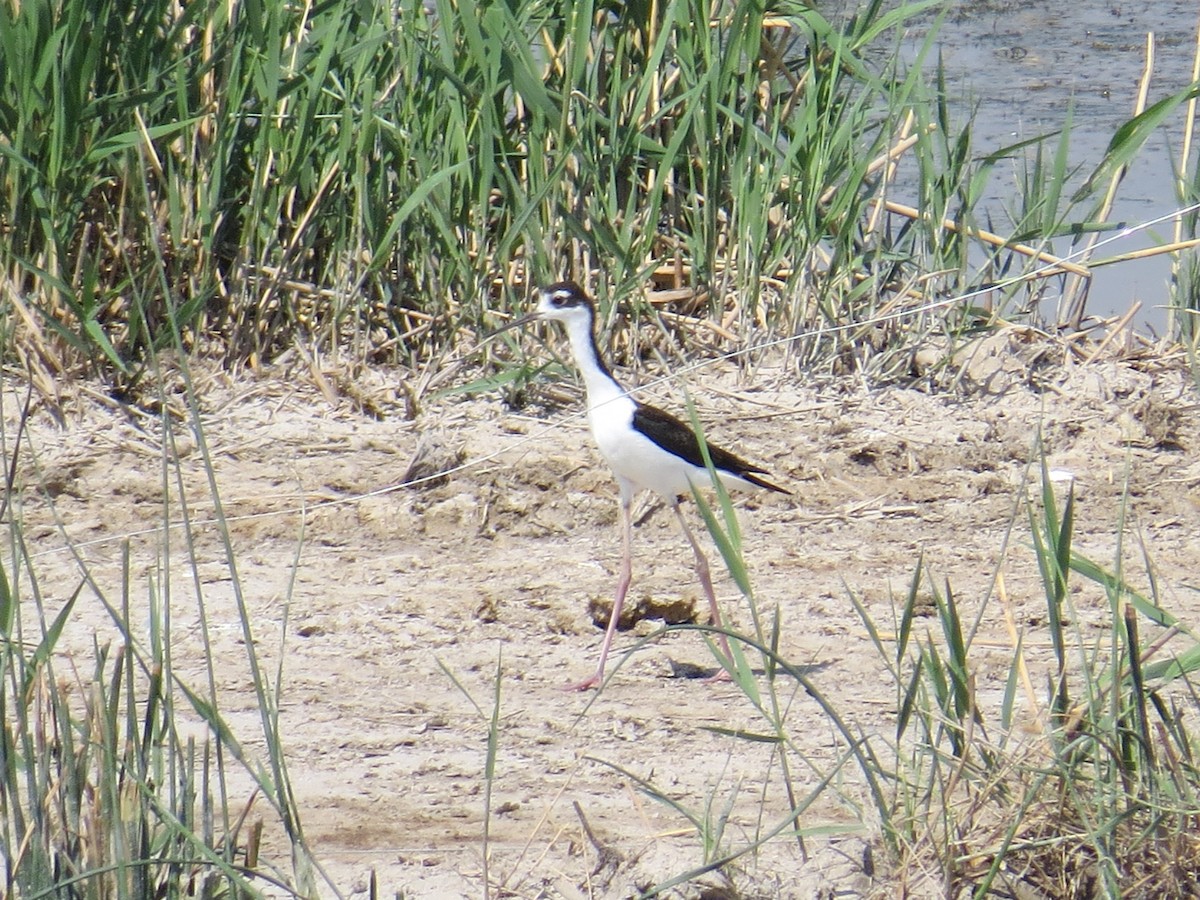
(722, 674)
(586, 685)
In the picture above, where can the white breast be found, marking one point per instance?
(638, 459)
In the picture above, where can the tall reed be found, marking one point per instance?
(376, 178)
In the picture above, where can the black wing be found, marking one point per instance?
(677, 437)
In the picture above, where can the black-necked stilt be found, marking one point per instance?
(648, 449)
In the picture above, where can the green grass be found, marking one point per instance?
(1098, 798)
(120, 777)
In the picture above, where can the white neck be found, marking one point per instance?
(600, 384)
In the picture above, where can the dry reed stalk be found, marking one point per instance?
(1059, 265)
(771, 61)
(889, 157)
(275, 274)
(1074, 295)
(1118, 328)
(147, 145)
(302, 225)
(38, 352)
(888, 162)
(1147, 252)
(1189, 123)
(692, 324)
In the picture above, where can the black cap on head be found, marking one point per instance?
(565, 294)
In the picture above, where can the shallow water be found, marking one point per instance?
(1019, 66)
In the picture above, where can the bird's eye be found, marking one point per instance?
(559, 298)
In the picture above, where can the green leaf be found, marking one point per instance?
(1128, 140)
(47, 644)
(742, 735)
(119, 142)
(93, 330)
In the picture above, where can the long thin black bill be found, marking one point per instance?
(515, 323)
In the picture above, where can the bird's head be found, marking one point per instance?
(564, 302)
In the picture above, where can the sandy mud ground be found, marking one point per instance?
(371, 595)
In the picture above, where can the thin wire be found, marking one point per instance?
(550, 428)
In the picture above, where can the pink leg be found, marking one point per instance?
(619, 599)
(705, 581)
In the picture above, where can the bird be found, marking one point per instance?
(646, 448)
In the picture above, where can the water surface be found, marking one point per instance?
(1018, 66)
